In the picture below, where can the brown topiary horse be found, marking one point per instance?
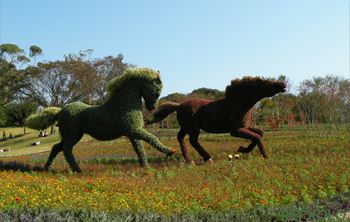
(228, 115)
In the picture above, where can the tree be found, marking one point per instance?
(322, 99)
(344, 108)
(10, 54)
(280, 108)
(5, 80)
(52, 84)
(210, 94)
(10, 82)
(35, 51)
(17, 113)
(307, 103)
(81, 66)
(3, 117)
(106, 69)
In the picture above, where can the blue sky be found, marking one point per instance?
(194, 44)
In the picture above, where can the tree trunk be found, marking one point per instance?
(53, 130)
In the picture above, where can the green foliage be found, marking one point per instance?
(3, 117)
(23, 59)
(129, 75)
(174, 97)
(324, 100)
(18, 112)
(206, 93)
(10, 49)
(35, 50)
(7, 78)
(45, 118)
(14, 53)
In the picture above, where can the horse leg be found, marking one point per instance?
(54, 151)
(68, 154)
(194, 142)
(251, 146)
(245, 133)
(138, 147)
(142, 134)
(181, 138)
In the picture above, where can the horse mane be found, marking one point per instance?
(246, 84)
(138, 73)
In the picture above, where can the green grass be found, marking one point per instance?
(19, 144)
(307, 170)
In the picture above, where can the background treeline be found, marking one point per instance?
(26, 86)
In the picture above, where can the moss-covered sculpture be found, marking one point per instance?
(120, 115)
(228, 115)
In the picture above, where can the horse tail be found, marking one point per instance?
(44, 119)
(162, 112)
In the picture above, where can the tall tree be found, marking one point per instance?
(52, 84)
(13, 54)
(10, 55)
(308, 107)
(10, 82)
(81, 66)
(35, 51)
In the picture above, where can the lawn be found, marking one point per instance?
(305, 168)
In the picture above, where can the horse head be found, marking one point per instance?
(270, 88)
(256, 87)
(151, 91)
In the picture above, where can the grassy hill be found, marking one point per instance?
(19, 144)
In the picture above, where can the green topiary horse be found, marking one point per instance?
(120, 115)
(228, 115)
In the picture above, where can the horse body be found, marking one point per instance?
(107, 121)
(192, 112)
(228, 115)
(219, 116)
(120, 115)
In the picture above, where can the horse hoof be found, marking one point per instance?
(171, 152)
(242, 149)
(190, 162)
(209, 160)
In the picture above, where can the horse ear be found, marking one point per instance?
(158, 79)
(158, 72)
